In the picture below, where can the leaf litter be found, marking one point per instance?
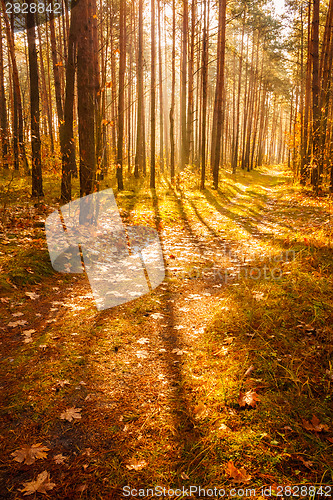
(41, 485)
(71, 414)
(28, 454)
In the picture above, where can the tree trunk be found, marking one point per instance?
(44, 91)
(3, 110)
(140, 157)
(121, 99)
(183, 74)
(152, 97)
(219, 92)
(36, 171)
(204, 70)
(66, 128)
(18, 116)
(85, 93)
(190, 111)
(234, 161)
(316, 178)
(160, 83)
(173, 84)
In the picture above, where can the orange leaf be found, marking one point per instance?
(250, 398)
(237, 475)
(314, 425)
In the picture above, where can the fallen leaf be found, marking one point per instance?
(62, 383)
(200, 410)
(20, 322)
(17, 315)
(157, 316)
(32, 295)
(141, 354)
(248, 371)
(143, 340)
(81, 488)
(223, 352)
(224, 428)
(59, 459)
(28, 454)
(250, 398)
(136, 465)
(184, 476)
(314, 425)
(41, 485)
(237, 475)
(178, 352)
(307, 463)
(71, 414)
(27, 339)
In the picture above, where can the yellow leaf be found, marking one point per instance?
(41, 485)
(28, 454)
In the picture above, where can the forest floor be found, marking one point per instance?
(220, 378)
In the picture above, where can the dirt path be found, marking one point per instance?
(128, 368)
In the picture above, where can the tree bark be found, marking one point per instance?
(316, 178)
(121, 98)
(204, 70)
(66, 128)
(173, 84)
(219, 92)
(152, 98)
(140, 157)
(183, 74)
(3, 110)
(85, 93)
(36, 171)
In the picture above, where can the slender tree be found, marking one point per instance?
(219, 91)
(152, 98)
(86, 98)
(121, 98)
(184, 145)
(173, 84)
(316, 179)
(3, 109)
(36, 171)
(204, 78)
(140, 157)
(67, 127)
